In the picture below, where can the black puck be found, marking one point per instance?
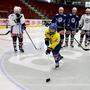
(48, 80)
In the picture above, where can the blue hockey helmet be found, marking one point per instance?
(53, 26)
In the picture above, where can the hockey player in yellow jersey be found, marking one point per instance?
(52, 41)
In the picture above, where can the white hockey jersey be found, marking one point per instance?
(85, 22)
(16, 27)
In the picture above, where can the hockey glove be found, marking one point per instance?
(23, 26)
(77, 30)
(47, 41)
(48, 50)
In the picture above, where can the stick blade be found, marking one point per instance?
(2, 34)
(86, 49)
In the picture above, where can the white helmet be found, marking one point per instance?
(17, 9)
(20, 9)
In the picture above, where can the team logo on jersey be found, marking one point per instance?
(60, 19)
(73, 20)
(87, 20)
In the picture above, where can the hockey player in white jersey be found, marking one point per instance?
(17, 23)
(84, 24)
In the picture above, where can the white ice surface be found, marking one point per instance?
(5, 83)
(74, 74)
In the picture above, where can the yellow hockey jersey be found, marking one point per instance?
(53, 38)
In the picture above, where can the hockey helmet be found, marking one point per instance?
(17, 9)
(53, 27)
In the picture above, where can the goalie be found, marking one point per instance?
(17, 24)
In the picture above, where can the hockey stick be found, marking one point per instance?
(81, 45)
(48, 79)
(30, 39)
(5, 33)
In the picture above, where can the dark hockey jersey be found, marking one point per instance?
(60, 20)
(72, 21)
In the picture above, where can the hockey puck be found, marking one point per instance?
(48, 80)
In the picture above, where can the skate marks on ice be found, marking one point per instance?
(71, 54)
(32, 61)
(7, 55)
(21, 75)
(30, 70)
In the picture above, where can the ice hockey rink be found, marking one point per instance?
(29, 70)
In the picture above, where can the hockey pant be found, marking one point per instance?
(61, 36)
(71, 34)
(56, 53)
(20, 39)
(87, 36)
